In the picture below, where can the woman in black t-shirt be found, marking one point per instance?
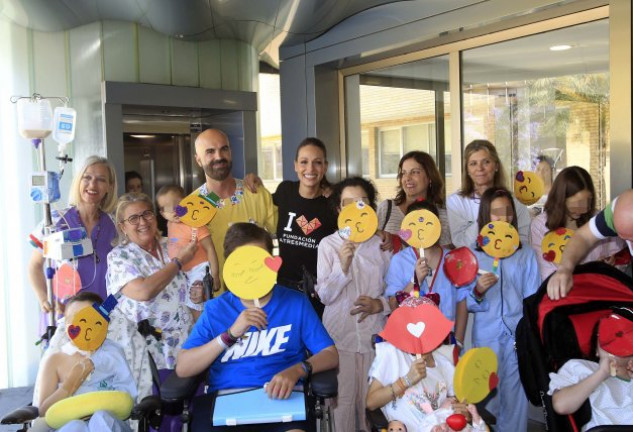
(304, 215)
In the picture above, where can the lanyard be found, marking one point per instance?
(416, 283)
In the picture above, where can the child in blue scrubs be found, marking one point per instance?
(497, 302)
(407, 268)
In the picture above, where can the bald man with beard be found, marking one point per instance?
(616, 220)
(237, 203)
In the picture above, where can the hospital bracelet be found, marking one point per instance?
(476, 295)
(225, 340)
(406, 381)
(221, 342)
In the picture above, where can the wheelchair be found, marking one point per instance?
(177, 393)
(126, 334)
(553, 332)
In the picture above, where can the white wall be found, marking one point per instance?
(73, 64)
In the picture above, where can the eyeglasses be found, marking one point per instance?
(135, 219)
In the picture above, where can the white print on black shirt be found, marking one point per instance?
(291, 216)
(265, 342)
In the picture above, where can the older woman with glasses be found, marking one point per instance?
(153, 287)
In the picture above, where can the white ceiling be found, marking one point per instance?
(265, 24)
(521, 59)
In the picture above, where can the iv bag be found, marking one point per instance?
(35, 118)
(64, 125)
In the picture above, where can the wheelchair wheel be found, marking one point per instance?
(323, 416)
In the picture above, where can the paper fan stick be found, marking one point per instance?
(495, 266)
(418, 356)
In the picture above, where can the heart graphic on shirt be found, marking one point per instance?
(273, 263)
(493, 381)
(405, 234)
(308, 227)
(73, 331)
(416, 329)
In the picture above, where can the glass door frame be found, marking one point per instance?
(620, 60)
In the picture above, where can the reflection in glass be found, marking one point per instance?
(399, 110)
(269, 162)
(531, 101)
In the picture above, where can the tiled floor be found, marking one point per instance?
(11, 399)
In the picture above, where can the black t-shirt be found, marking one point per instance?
(302, 224)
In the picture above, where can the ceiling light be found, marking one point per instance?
(559, 47)
(143, 136)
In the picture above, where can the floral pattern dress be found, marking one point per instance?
(167, 311)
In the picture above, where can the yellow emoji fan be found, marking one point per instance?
(250, 272)
(357, 222)
(475, 375)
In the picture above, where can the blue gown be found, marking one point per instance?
(495, 324)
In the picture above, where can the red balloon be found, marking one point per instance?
(461, 266)
(456, 422)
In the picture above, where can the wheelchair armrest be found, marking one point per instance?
(324, 384)
(21, 415)
(377, 419)
(149, 404)
(175, 388)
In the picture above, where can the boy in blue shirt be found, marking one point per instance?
(247, 346)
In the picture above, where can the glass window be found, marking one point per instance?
(397, 112)
(545, 94)
(269, 161)
(364, 146)
(390, 152)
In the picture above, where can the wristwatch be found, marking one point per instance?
(307, 369)
(177, 262)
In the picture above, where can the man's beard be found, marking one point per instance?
(219, 173)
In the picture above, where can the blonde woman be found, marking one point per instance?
(92, 200)
(482, 171)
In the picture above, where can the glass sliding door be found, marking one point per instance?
(543, 95)
(394, 110)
